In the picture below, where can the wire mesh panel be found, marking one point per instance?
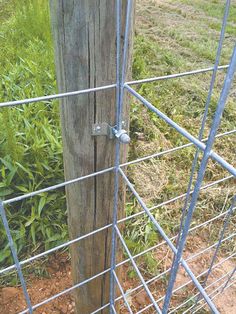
(166, 291)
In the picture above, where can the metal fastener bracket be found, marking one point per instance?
(104, 129)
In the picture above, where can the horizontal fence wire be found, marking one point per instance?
(31, 259)
(176, 75)
(102, 88)
(55, 96)
(63, 184)
(203, 297)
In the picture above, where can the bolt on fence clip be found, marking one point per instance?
(104, 129)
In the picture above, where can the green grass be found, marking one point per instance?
(168, 39)
(213, 8)
(31, 148)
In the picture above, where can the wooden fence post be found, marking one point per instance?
(85, 55)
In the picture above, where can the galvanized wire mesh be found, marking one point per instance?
(205, 292)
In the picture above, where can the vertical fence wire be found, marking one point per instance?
(15, 257)
(117, 158)
(120, 76)
(138, 272)
(204, 119)
(227, 282)
(225, 225)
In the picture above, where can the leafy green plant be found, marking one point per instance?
(31, 147)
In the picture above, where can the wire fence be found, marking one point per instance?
(205, 291)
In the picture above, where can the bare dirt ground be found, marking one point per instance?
(58, 278)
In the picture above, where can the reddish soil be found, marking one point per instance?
(59, 278)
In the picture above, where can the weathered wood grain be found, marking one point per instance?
(85, 53)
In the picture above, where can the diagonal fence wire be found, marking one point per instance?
(122, 293)
(175, 290)
(197, 294)
(70, 289)
(66, 292)
(227, 282)
(144, 284)
(182, 131)
(166, 238)
(94, 232)
(204, 119)
(138, 287)
(190, 258)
